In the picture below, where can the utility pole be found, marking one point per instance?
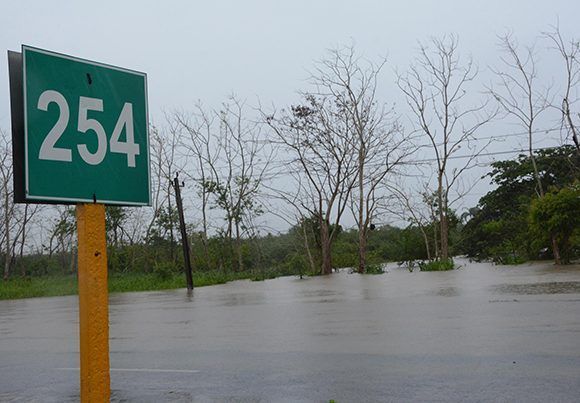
(171, 235)
(184, 241)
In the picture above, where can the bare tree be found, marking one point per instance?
(351, 83)
(520, 96)
(202, 153)
(230, 160)
(319, 137)
(569, 52)
(164, 164)
(236, 185)
(436, 87)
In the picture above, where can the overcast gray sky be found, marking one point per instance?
(208, 49)
(194, 50)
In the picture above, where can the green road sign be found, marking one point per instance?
(85, 131)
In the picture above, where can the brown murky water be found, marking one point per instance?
(479, 333)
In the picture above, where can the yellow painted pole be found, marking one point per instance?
(93, 303)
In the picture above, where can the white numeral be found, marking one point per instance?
(92, 104)
(125, 147)
(48, 151)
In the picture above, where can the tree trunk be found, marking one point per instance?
(426, 240)
(230, 241)
(362, 250)
(307, 247)
(239, 248)
(22, 240)
(362, 238)
(204, 234)
(444, 237)
(436, 241)
(556, 251)
(444, 232)
(326, 246)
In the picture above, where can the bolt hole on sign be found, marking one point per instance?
(85, 131)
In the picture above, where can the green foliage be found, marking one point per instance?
(437, 265)
(59, 285)
(558, 214)
(46, 286)
(165, 270)
(345, 249)
(166, 224)
(499, 228)
(296, 263)
(395, 245)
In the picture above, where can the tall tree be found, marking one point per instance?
(436, 86)
(231, 160)
(520, 96)
(351, 83)
(319, 138)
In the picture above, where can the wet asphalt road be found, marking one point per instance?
(480, 333)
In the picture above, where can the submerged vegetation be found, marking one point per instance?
(437, 265)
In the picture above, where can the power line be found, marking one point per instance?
(284, 164)
(479, 155)
(500, 136)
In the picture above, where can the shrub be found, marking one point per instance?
(508, 259)
(437, 265)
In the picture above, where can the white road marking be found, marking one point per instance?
(182, 371)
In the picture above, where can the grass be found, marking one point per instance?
(52, 286)
(59, 285)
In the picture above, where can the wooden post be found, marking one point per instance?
(93, 303)
(184, 241)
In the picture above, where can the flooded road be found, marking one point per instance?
(479, 333)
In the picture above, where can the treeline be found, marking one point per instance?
(510, 224)
(264, 257)
(341, 153)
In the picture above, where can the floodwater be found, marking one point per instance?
(479, 333)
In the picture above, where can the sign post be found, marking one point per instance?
(93, 303)
(80, 136)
